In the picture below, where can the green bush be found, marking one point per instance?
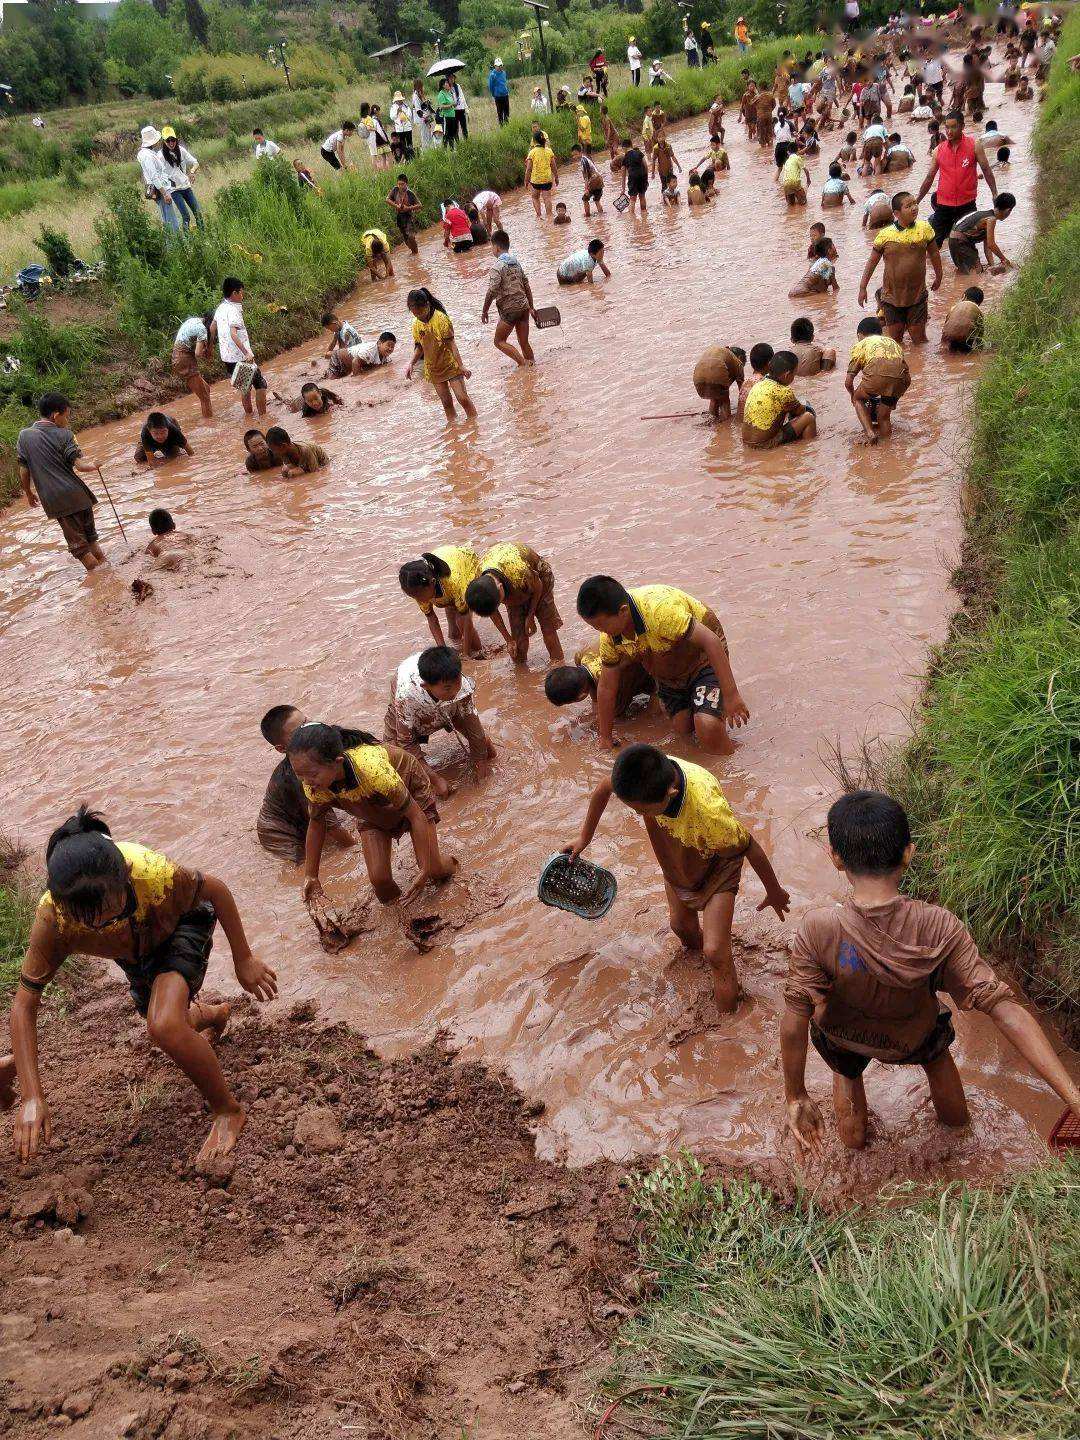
(240, 77)
(51, 357)
(58, 252)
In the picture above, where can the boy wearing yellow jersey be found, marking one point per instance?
(385, 788)
(376, 249)
(681, 644)
(905, 246)
(516, 576)
(156, 919)
(567, 684)
(700, 847)
(772, 414)
(438, 581)
(877, 363)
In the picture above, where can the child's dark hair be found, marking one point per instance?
(802, 330)
(975, 294)
(482, 595)
(738, 352)
(1004, 201)
(83, 865)
(276, 435)
(595, 246)
(419, 574)
(330, 319)
(601, 595)
(870, 832)
(898, 200)
(157, 421)
(310, 385)
(870, 326)
(52, 403)
(1004, 152)
(500, 238)
(760, 355)
(822, 247)
(850, 137)
(438, 664)
(643, 773)
(161, 522)
(817, 225)
(388, 335)
(249, 433)
(327, 742)
(894, 138)
(377, 247)
(781, 363)
(836, 171)
(566, 683)
(273, 722)
(230, 285)
(423, 296)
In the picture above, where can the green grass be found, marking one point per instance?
(18, 901)
(951, 1319)
(992, 774)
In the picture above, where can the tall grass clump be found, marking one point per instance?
(992, 774)
(952, 1319)
(18, 900)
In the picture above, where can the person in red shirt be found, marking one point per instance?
(457, 227)
(954, 168)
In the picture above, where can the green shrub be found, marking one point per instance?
(58, 252)
(240, 77)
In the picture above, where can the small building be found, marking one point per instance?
(394, 57)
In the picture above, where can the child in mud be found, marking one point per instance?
(376, 248)
(516, 576)
(360, 358)
(720, 367)
(591, 179)
(283, 817)
(772, 413)
(849, 151)
(435, 345)
(836, 189)
(979, 227)
(160, 440)
(343, 333)
(567, 684)
(905, 246)
(438, 581)
(700, 847)
(406, 207)
(820, 278)
(962, 331)
(680, 643)
(314, 400)
(794, 178)
(817, 232)
(876, 211)
(562, 214)
(864, 978)
(878, 366)
(758, 360)
(385, 788)
(259, 455)
(166, 536)
(294, 457)
(579, 267)
(429, 694)
(156, 919)
(813, 358)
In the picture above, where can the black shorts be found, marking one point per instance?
(787, 433)
(851, 1064)
(460, 246)
(637, 184)
(186, 953)
(331, 159)
(701, 695)
(906, 314)
(547, 184)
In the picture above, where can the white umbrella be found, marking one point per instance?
(446, 67)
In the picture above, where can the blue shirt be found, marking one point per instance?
(498, 85)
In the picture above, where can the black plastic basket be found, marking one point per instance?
(578, 886)
(548, 316)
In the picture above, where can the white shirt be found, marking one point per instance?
(229, 316)
(153, 170)
(633, 55)
(191, 333)
(486, 197)
(419, 709)
(180, 175)
(875, 199)
(401, 117)
(782, 132)
(689, 44)
(460, 103)
(539, 104)
(932, 72)
(367, 352)
(267, 148)
(333, 141)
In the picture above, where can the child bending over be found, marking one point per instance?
(438, 581)
(516, 576)
(429, 694)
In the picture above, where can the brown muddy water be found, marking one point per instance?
(827, 562)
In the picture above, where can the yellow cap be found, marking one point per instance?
(168, 133)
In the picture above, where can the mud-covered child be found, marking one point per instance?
(700, 847)
(865, 976)
(515, 576)
(813, 358)
(429, 694)
(383, 787)
(758, 368)
(282, 822)
(438, 581)
(156, 919)
(772, 412)
(963, 328)
(680, 643)
(569, 684)
(877, 377)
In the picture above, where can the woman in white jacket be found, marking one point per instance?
(180, 166)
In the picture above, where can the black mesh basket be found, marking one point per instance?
(577, 886)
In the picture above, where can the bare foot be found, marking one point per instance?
(8, 1076)
(439, 785)
(214, 1018)
(224, 1133)
(448, 872)
(868, 439)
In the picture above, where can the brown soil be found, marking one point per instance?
(388, 1258)
(88, 304)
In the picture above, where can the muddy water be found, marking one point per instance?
(827, 563)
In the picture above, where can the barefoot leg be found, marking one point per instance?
(716, 930)
(849, 1100)
(204, 1016)
(947, 1091)
(684, 921)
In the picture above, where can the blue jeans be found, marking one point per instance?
(188, 206)
(170, 215)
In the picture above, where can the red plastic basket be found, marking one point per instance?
(1066, 1132)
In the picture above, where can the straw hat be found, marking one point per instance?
(149, 135)
(168, 133)
(398, 95)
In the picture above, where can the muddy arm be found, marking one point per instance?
(1026, 1034)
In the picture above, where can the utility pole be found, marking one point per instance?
(284, 63)
(535, 6)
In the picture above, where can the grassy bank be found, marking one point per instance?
(17, 902)
(297, 252)
(992, 775)
(953, 1318)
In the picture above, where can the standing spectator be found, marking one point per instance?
(598, 66)
(742, 34)
(539, 101)
(461, 109)
(156, 178)
(424, 115)
(332, 149)
(446, 111)
(852, 12)
(633, 59)
(234, 346)
(264, 148)
(49, 457)
(708, 45)
(690, 46)
(189, 347)
(499, 90)
(378, 141)
(955, 166)
(181, 166)
(401, 121)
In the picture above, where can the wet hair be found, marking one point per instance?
(1004, 201)
(1003, 152)
(870, 326)
(310, 385)
(84, 865)
(419, 574)
(423, 296)
(53, 403)
(894, 138)
(957, 115)
(482, 595)
(802, 330)
(388, 335)
(161, 522)
(248, 434)
(822, 247)
(817, 225)
(327, 742)
(560, 204)
(781, 363)
(850, 137)
(230, 285)
(836, 171)
(760, 355)
(501, 238)
(377, 247)
(898, 200)
(869, 831)
(566, 683)
(276, 435)
(643, 773)
(330, 319)
(739, 352)
(601, 595)
(974, 294)
(595, 246)
(157, 421)
(272, 724)
(438, 664)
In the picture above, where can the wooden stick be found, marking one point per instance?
(119, 522)
(682, 415)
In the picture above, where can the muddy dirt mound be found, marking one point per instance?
(388, 1257)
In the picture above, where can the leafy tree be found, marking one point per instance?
(54, 54)
(416, 20)
(141, 48)
(196, 19)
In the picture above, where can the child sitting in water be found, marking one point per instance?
(516, 576)
(696, 194)
(259, 455)
(562, 214)
(813, 358)
(681, 644)
(963, 328)
(1004, 157)
(580, 266)
(879, 361)
(849, 151)
(820, 278)
(166, 536)
(367, 355)
(385, 788)
(314, 400)
(294, 457)
(772, 414)
(343, 333)
(429, 694)
(877, 211)
(794, 177)
(700, 847)
(161, 439)
(567, 684)
(864, 979)
(156, 919)
(817, 232)
(759, 357)
(438, 581)
(836, 190)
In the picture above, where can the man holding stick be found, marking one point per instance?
(49, 459)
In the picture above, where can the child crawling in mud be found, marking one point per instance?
(156, 919)
(700, 847)
(568, 684)
(384, 787)
(864, 978)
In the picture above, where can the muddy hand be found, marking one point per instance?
(312, 889)
(33, 1124)
(736, 711)
(779, 900)
(805, 1123)
(256, 978)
